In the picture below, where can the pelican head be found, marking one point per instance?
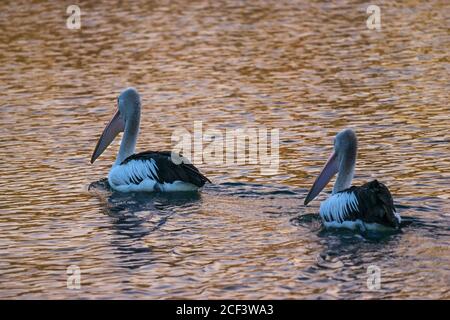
(125, 119)
(342, 160)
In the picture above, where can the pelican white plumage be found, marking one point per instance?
(368, 207)
(147, 171)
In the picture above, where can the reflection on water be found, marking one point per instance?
(308, 69)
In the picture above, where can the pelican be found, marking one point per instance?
(163, 171)
(367, 207)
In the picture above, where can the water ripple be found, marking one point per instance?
(308, 69)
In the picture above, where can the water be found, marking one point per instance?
(308, 69)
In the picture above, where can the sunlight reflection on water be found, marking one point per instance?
(308, 69)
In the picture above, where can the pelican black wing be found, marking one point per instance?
(170, 167)
(376, 204)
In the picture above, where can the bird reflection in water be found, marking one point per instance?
(136, 215)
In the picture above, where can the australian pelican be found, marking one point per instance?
(146, 171)
(368, 207)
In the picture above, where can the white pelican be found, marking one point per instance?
(368, 207)
(147, 171)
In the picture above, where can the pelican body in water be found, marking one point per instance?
(146, 171)
(368, 207)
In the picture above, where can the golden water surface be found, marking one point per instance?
(306, 68)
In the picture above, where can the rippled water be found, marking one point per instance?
(307, 69)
